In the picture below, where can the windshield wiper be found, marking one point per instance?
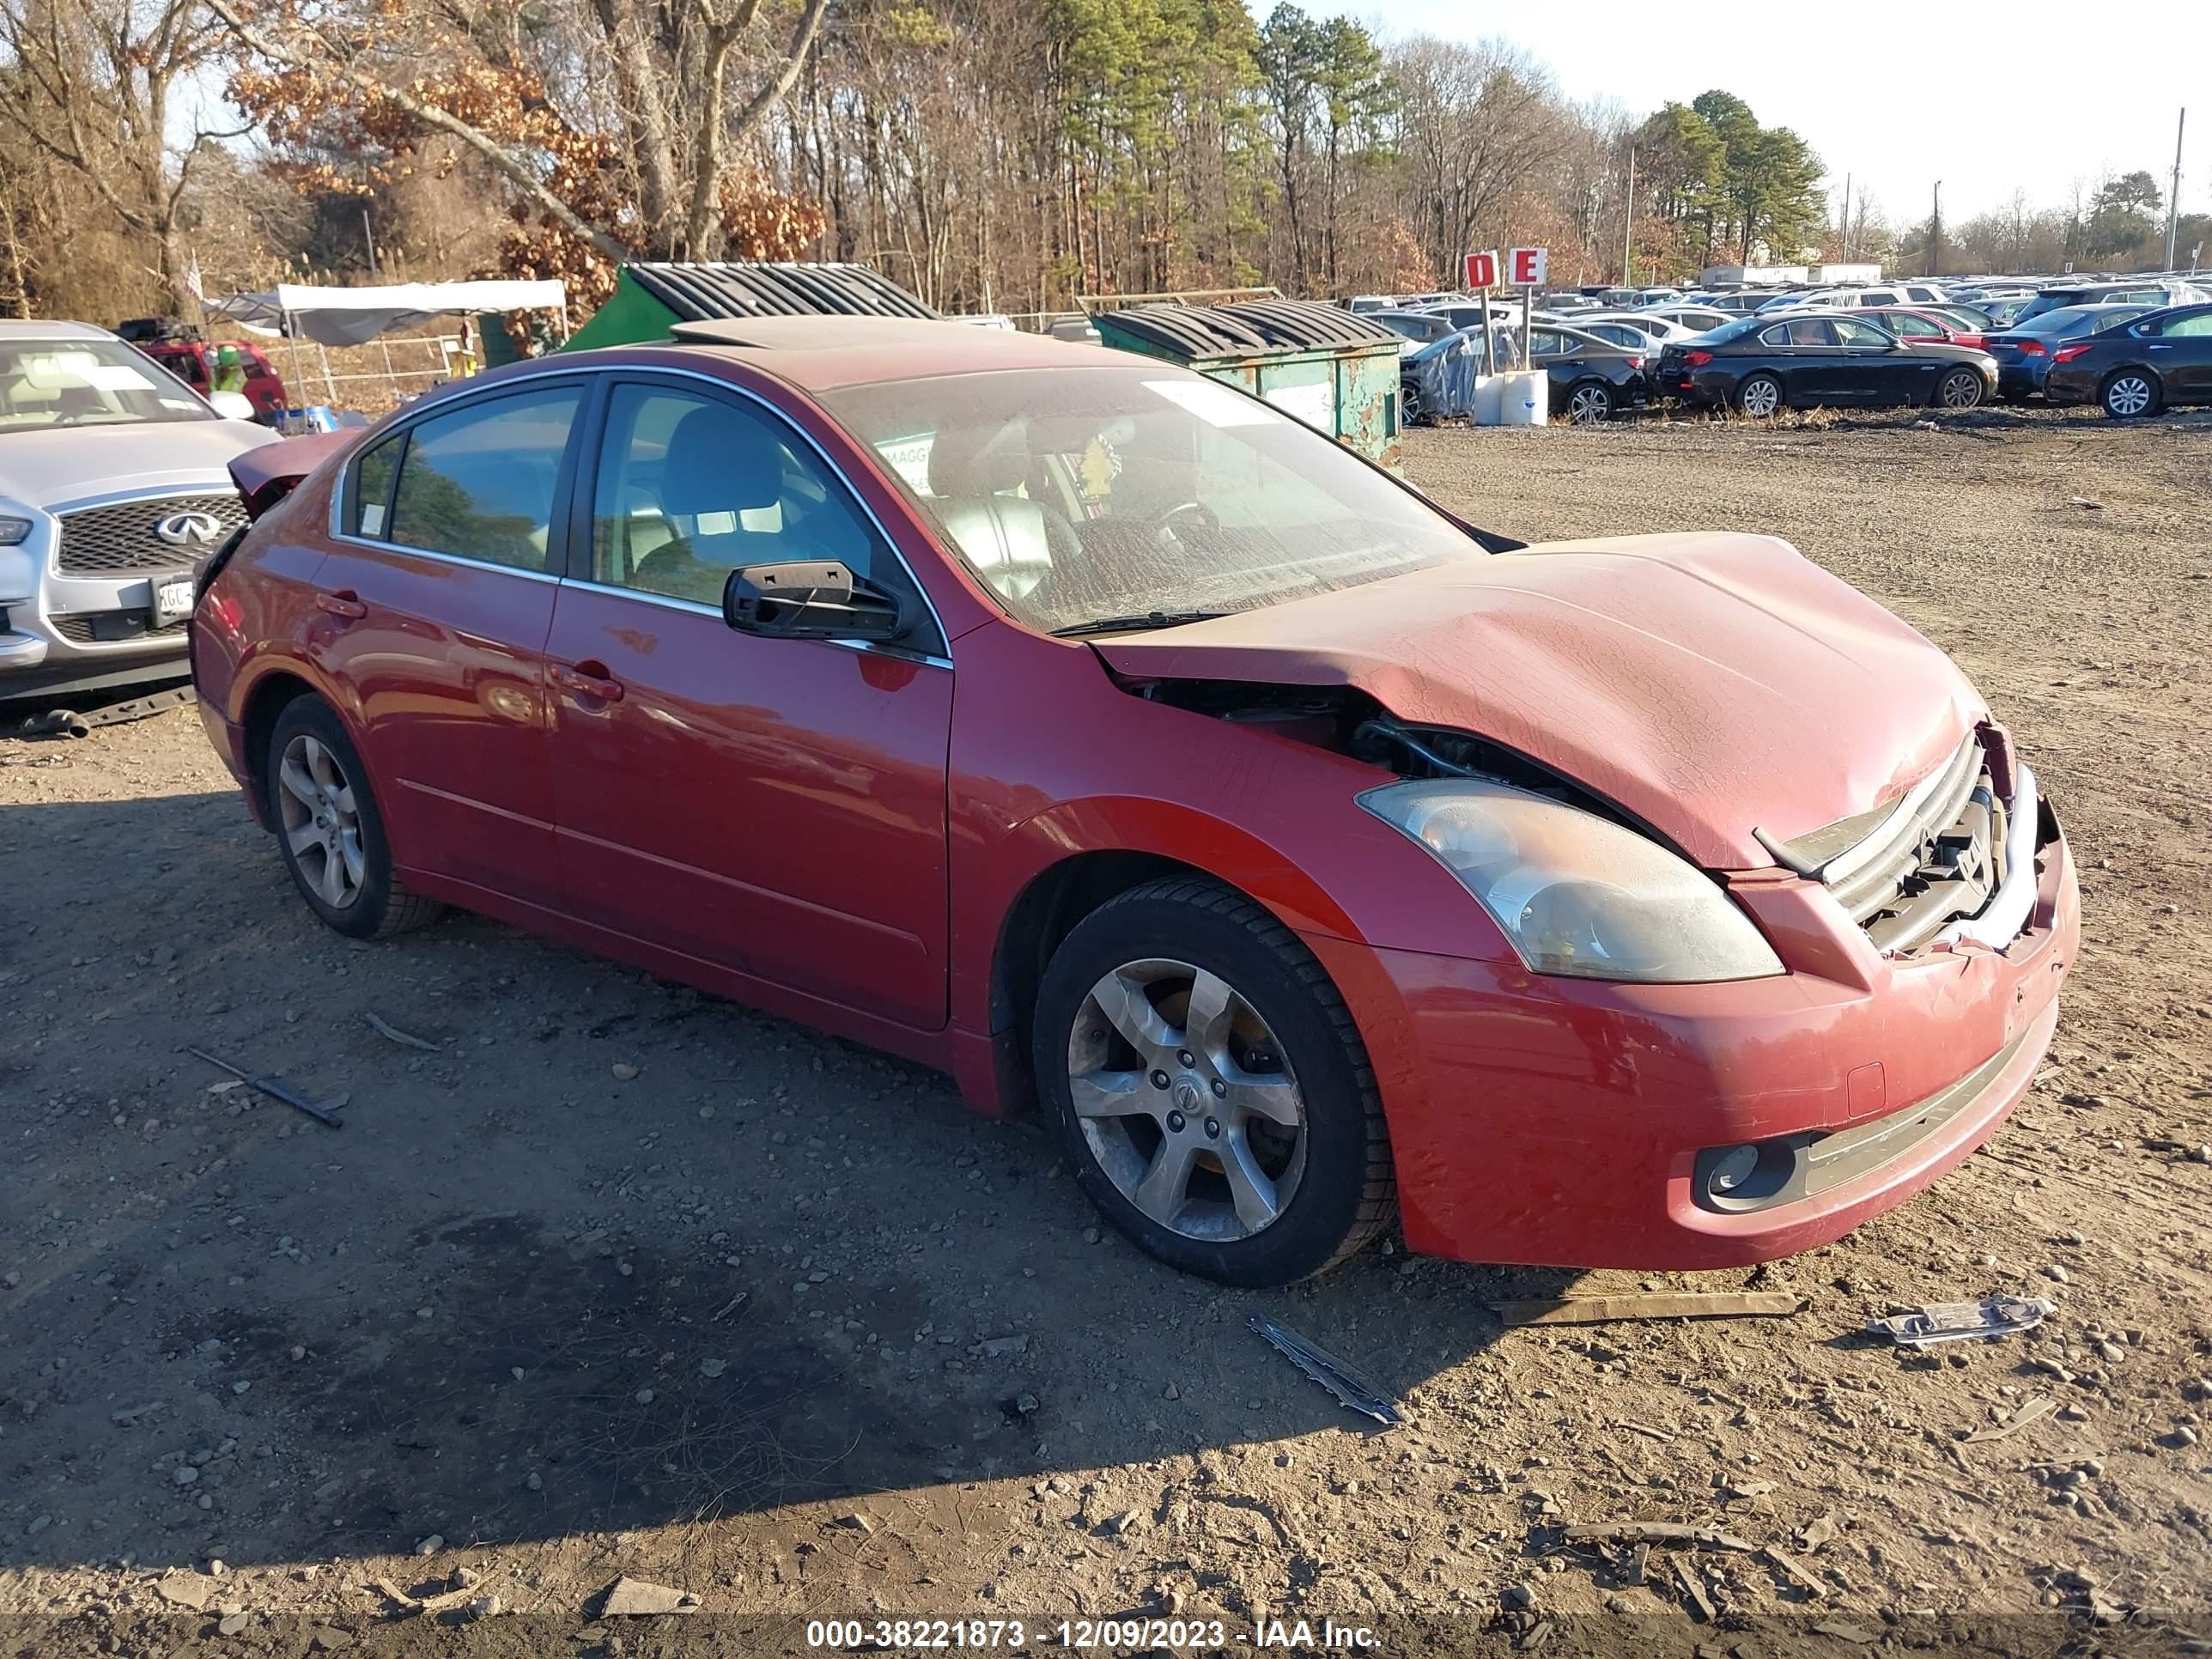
(1134, 624)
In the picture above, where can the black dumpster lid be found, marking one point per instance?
(1255, 325)
(734, 288)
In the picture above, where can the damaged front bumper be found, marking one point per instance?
(1544, 1121)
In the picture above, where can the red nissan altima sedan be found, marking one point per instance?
(1115, 742)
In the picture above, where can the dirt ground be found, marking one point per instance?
(775, 1322)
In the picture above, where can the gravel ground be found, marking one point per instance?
(605, 1277)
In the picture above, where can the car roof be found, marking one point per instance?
(37, 329)
(819, 354)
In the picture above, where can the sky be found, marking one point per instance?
(2002, 96)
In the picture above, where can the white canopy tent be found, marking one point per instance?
(355, 316)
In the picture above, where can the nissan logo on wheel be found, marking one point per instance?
(190, 529)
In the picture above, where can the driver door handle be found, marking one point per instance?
(344, 603)
(586, 679)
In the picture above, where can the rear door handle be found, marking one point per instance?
(586, 679)
(344, 603)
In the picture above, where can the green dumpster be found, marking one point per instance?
(649, 299)
(1332, 369)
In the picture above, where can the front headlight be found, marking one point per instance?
(1576, 893)
(14, 531)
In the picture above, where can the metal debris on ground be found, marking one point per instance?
(325, 1112)
(1991, 1317)
(1687, 1304)
(384, 1029)
(1659, 1532)
(2034, 1412)
(1694, 1589)
(1795, 1571)
(1352, 1390)
(81, 722)
(634, 1598)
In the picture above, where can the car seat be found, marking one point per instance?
(714, 473)
(1010, 542)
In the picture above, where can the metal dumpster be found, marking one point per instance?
(650, 299)
(1334, 370)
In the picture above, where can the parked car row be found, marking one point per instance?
(1902, 343)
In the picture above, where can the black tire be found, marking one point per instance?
(1588, 402)
(2115, 383)
(1346, 1194)
(1409, 404)
(1745, 397)
(380, 905)
(1960, 388)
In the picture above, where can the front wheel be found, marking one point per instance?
(1209, 1087)
(1960, 389)
(1760, 396)
(2129, 393)
(1588, 402)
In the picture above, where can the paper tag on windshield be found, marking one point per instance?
(1217, 406)
(114, 377)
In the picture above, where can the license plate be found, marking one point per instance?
(173, 598)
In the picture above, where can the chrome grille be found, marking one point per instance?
(119, 540)
(1934, 856)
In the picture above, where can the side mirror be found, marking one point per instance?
(809, 599)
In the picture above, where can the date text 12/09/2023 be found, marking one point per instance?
(1088, 1635)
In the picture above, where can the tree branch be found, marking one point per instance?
(504, 160)
(787, 75)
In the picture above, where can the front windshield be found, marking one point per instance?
(1078, 495)
(55, 383)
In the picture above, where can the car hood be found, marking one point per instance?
(54, 467)
(1707, 684)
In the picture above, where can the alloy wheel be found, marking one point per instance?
(1761, 398)
(1589, 404)
(322, 820)
(1961, 391)
(1186, 1100)
(2128, 395)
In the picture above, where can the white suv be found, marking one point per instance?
(112, 486)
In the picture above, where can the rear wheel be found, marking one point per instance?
(1760, 396)
(1209, 1087)
(1590, 401)
(330, 830)
(2128, 393)
(1960, 389)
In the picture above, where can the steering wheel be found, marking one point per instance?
(1201, 517)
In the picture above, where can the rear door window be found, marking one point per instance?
(1812, 331)
(479, 483)
(1858, 334)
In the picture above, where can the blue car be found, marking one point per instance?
(2026, 351)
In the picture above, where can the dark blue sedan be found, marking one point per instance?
(2026, 351)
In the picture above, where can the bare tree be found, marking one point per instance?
(634, 160)
(100, 81)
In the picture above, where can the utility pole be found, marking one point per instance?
(1935, 234)
(1847, 219)
(1628, 234)
(2173, 201)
